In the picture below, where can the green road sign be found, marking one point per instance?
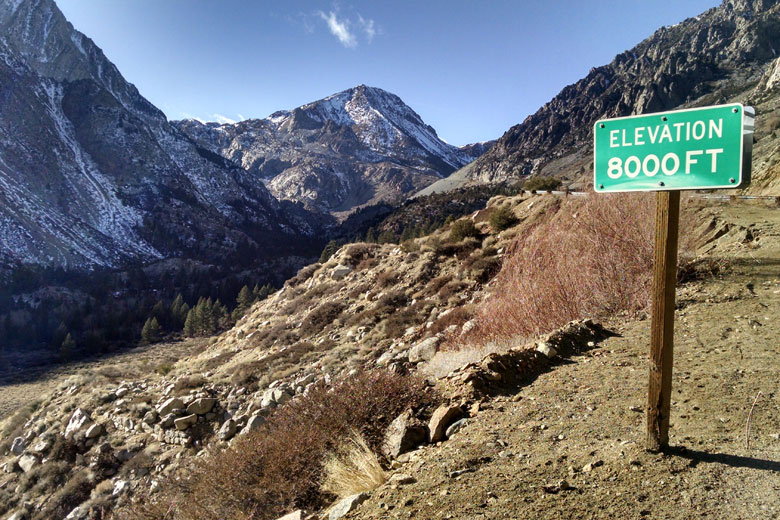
(698, 148)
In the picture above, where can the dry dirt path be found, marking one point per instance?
(589, 410)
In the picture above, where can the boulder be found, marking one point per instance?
(340, 271)
(295, 515)
(424, 350)
(17, 448)
(150, 417)
(346, 505)
(28, 462)
(78, 420)
(404, 434)
(456, 427)
(254, 422)
(182, 423)
(174, 403)
(444, 416)
(120, 487)
(228, 430)
(201, 406)
(94, 431)
(546, 349)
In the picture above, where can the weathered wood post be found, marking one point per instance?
(667, 220)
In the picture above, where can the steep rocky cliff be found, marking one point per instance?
(93, 175)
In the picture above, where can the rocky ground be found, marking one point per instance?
(571, 444)
(567, 444)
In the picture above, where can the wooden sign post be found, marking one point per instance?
(699, 148)
(667, 220)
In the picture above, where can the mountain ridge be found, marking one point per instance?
(353, 148)
(95, 176)
(706, 59)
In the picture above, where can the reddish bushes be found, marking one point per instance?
(591, 258)
(279, 468)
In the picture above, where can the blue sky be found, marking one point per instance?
(471, 69)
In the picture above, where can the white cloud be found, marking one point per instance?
(369, 28)
(223, 119)
(340, 29)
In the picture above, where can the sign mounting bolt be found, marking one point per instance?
(661, 183)
(601, 186)
(735, 110)
(601, 125)
(732, 181)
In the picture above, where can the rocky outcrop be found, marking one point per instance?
(502, 372)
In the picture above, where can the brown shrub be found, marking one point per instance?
(484, 269)
(359, 289)
(387, 278)
(304, 274)
(279, 467)
(75, 491)
(367, 263)
(321, 317)
(458, 316)
(437, 283)
(14, 427)
(593, 259)
(356, 253)
(451, 289)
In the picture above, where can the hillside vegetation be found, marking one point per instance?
(427, 307)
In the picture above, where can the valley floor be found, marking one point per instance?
(584, 422)
(24, 389)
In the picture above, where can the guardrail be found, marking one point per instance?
(709, 196)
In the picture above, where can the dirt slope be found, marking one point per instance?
(590, 411)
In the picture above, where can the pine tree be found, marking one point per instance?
(243, 301)
(370, 235)
(150, 332)
(189, 324)
(386, 237)
(329, 250)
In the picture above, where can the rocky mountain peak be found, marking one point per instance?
(359, 146)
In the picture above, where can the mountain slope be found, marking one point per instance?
(709, 59)
(93, 174)
(356, 147)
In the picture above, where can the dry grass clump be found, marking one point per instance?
(590, 258)
(353, 469)
(13, 427)
(321, 317)
(387, 279)
(279, 467)
(357, 254)
(303, 275)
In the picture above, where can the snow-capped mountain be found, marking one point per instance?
(356, 147)
(92, 174)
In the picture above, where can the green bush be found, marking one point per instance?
(463, 228)
(542, 184)
(502, 218)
